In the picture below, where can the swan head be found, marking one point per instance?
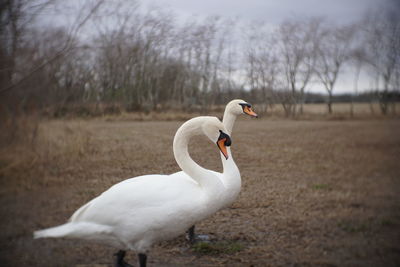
(239, 106)
(214, 129)
(224, 140)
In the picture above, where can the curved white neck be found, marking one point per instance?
(182, 157)
(229, 120)
(231, 174)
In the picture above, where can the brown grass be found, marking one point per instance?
(115, 112)
(340, 111)
(315, 193)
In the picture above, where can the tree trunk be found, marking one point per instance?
(330, 102)
(301, 100)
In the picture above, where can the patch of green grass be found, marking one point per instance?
(226, 247)
(352, 227)
(387, 222)
(322, 187)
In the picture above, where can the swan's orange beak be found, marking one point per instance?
(249, 111)
(223, 141)
(222, 147)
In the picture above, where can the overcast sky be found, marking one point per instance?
(270, 11)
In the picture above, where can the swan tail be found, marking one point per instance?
(81, 230)
(77, 214)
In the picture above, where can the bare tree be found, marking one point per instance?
(333, 51)
(263, 67)
(147, 61)
(30, 68)
(358, 58)
(81, 20)
(298, 42)
(15, 18)
(383, 50)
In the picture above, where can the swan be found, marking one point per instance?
(231, 176)
(140, 211)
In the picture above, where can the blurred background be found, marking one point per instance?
(90, 58)
(87, 86)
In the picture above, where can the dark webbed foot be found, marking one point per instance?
(142, 259)
(190, 236)
(193, 238)
(119, 260)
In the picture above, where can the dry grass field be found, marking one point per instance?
(339, 111)
(314, 193)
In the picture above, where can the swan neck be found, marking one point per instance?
(229, 120)
(181, 153)
(231, 177)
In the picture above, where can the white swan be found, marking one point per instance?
(231, 176)
(137, 212)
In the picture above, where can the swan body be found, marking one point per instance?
(137, 212)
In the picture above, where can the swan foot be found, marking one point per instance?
(119, 261)
(193, 238)
(142, 259)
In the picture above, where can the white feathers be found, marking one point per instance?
(143, 210)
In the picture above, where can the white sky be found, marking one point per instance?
(270, 11)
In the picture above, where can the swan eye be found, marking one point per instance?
(247, 109)
(244, 105)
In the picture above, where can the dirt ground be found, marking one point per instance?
(314, 193)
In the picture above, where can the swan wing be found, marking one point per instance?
(133, 199)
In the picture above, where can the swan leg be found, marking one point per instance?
(193, 238)
(190, 235)
(119, 261)
(142, 259)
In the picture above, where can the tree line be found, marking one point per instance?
(111, 56)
